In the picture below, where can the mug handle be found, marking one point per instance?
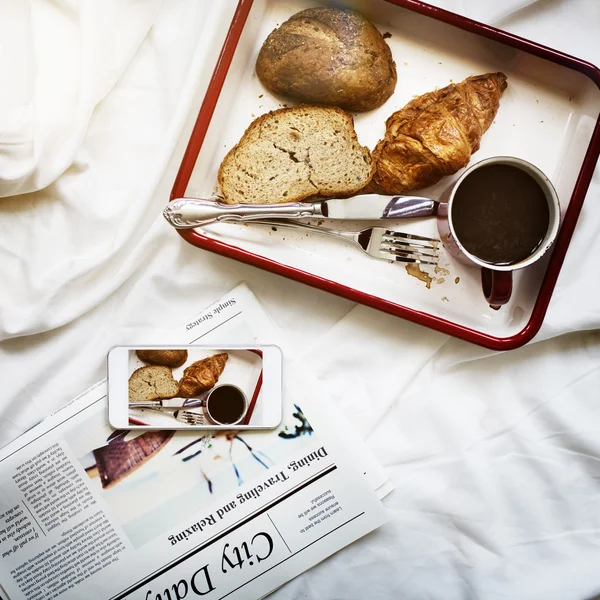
(497, 286)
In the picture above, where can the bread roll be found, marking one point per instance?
(328, 56)
(167, 358)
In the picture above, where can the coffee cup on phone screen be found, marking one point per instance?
(226, 404)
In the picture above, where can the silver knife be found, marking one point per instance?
(166, 405)
(186, 213)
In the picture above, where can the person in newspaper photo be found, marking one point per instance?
(149, 478)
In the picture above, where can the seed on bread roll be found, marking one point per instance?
(328, 56)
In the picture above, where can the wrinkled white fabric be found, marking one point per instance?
(65, 248)
(495, 456)
(66, 56)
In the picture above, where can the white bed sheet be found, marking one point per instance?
(495, 457)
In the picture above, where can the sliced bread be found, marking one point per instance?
(152, 383)
(290, 154)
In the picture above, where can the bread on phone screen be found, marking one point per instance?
(167, 358)
(202, 375)
(152, 383)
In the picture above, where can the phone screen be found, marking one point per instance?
(194, 387)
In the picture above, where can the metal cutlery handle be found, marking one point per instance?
(160, 406)
(154, 406)
(377, 242)
(185, 213)
(337, 233)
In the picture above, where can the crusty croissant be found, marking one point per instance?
(202, 375)
(435, 134)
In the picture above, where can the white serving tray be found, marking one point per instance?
(547, 116)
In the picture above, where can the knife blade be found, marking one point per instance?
(187, 213)
(374, 207)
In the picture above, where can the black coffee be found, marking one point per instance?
(226, 405)
(500, 214)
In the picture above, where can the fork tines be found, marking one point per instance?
(410, 248)
(190, 418)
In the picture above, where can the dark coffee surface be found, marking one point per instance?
(500, 214)
(226, 405)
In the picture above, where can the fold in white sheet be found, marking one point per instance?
(67, 247)
(61, 59)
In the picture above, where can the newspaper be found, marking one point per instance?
(89, 512)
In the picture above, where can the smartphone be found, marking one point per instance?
(195, 387)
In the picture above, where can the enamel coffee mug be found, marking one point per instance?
(456, 227)
(226, 404)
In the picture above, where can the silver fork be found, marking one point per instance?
(159, 405)
(378, 242)
(190, 418)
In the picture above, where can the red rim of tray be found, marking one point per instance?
(477, 337)
(256, 390)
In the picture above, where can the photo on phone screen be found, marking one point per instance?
(194, 387)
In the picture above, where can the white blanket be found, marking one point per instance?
(496, 457)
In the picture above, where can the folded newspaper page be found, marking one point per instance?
(90, 512)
